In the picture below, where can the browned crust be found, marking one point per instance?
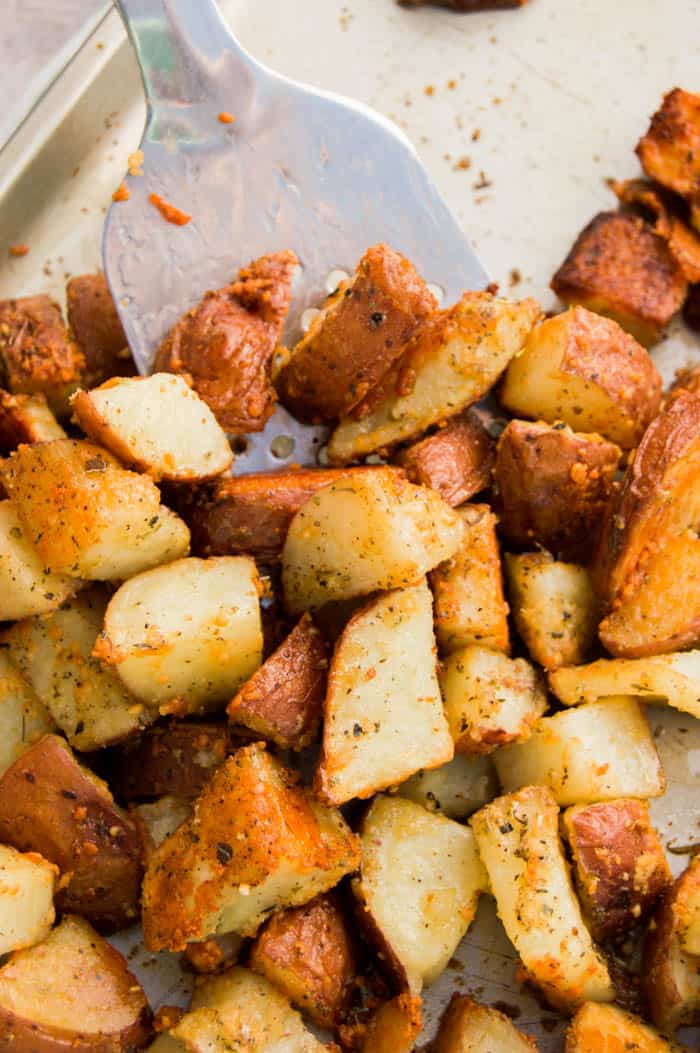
(175, 758)
(93, 318)
(457, 461)
(283, 700)
(660, 208)
(450, 1036)
(667, 1005)
(51, 805)
(226, 343)
(17, 422)
(669, 152)
(554, 486)
(687, 380)
(691, 309)
(37, 352)
(394, 1026)
(363, 331)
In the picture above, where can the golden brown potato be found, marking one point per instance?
(72, 992)
(468, 1027)
(178, 757)
(25, 587)
(554, 485)
(23, 717)
(457, 788)
(470, 607)
(256, 843)
(621, 268)
(360, 332)
(213, 955)
(283, 700)
(27, 884)
(687, 380)
(600, 1028)
(457, 460)
(26, 418)
(307, 953)
(583, 369)
(670, 150)
(394, 1026)
(671, 976)
(648, 535)
(38, 354)
(226, 343)
(156, 821)
(619, 864)
(93, 318)
(683, 242)
(686, 908)
(50, 804)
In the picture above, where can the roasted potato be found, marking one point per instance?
(453, 359)
(93, 319)
(185, 665)
(648, 534)
(226, 343)
(25, 587)
(383, 717)
(490, 699)
(619, 267)
(620, 868)
(418, 889)
(468, 1027)
(214, 955)
(369, 532)
(86, 515)
(470, 607)
(23, 718)
(157, 425)
(554, 608)
(37, 352)
(595, 752)
(26, 419)
(518, 841)
(686, 908)
(687, 379)
(357, 336)
(671, 976)
(457, 460)
(157, 820)
(256, 842)
(394, 1026)
(683, 242)
(174, 758)
(50, 804)
(554, 486)
(670, 150)
(600, 1028)
(455, 789)
(27, 884)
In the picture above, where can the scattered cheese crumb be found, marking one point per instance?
(226, 118)
(169, 212)
(121, 193)
(19, 250)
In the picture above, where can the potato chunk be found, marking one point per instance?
(394, 1026)
(490, 699)
(25, 587)
(468, 1027)
(596, 752)
(93, 318)
(369, 532)
(470, 607)
(619, 864)
(27, 885)
(100, 1008)
(457, 460)
(178, 757)
(256, 843)
(86, 515)
(518, 840)
(583, 369)
(671, 976)
(608, 1029)
(619, 267)
(554, 486)
(686, 908)
(419, 886)
(23, 718)
(670, 150)
(455, 789)
(26, 418)
(683, 242)
(185, 665)
(38, 354)
(156, 425)
(383, 713)
(157, 820)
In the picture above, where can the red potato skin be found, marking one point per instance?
(92, 316)
(457, 461)
(175, 758)
(37, 352)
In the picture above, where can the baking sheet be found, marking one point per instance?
(520, 117)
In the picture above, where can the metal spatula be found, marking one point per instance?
(297, 168)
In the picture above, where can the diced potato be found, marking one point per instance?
(600, 1028)
(178, 757)
(673, 679)
(619, 864)
(490, 699)
(457, 460)
(686, 908)
(27, 885)
(395, 1026)
(38, 354)
(596, 752)
(383, 713)
(418, 889)
(457, 788)
(256, 843)
(671, 976)
(72, 991)
(86, 515)
(215, 954)
(670, 149)
(159, 819)
(468, 1027)
(368, 532)
(450, 363)
(653, 204)
(192, 663)
(23, 718)
(84, 697)
(518, 840)
(93, 318)
(468, 588)
(26, 418)
(25, 587)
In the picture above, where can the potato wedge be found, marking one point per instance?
(457, 460)
(157, 820)
(384, 719)
(368, 532)
(52, 805)
(25, 587)
(255, 843)
(38, 354)
(395, 1026)
(554, 607)
(86, 515)
(468, 1027)
(93, 318)
(490, 699)
(193, 665)
(103, 1008)
(619, 864)
(518, 839)
(418, 889)
(23, 718)
(174, 758)
(595, 752)
(157, 425)
(455, 789)
(671, 976)
(26, 418)
(450, 363)
(600, 1028)
(669, 150)
(470, 607)
(27, 884)
(686, 908)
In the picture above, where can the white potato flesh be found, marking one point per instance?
(187, 632)
(673, 679)
(23, 717)
(157, 820)
(156, 424)
(362, 534)
(419, 886)
(25, 587)
(518, 840)
(595, 752)
(384, 718)
(27, 885)
(468, 1027)
(457, 788)
(597, 1028)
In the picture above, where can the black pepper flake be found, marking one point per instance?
(95, 464)
(224, 852)
(376, 319)
(506, 828)
(357, 730)
(69, 794)
(30, 776)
